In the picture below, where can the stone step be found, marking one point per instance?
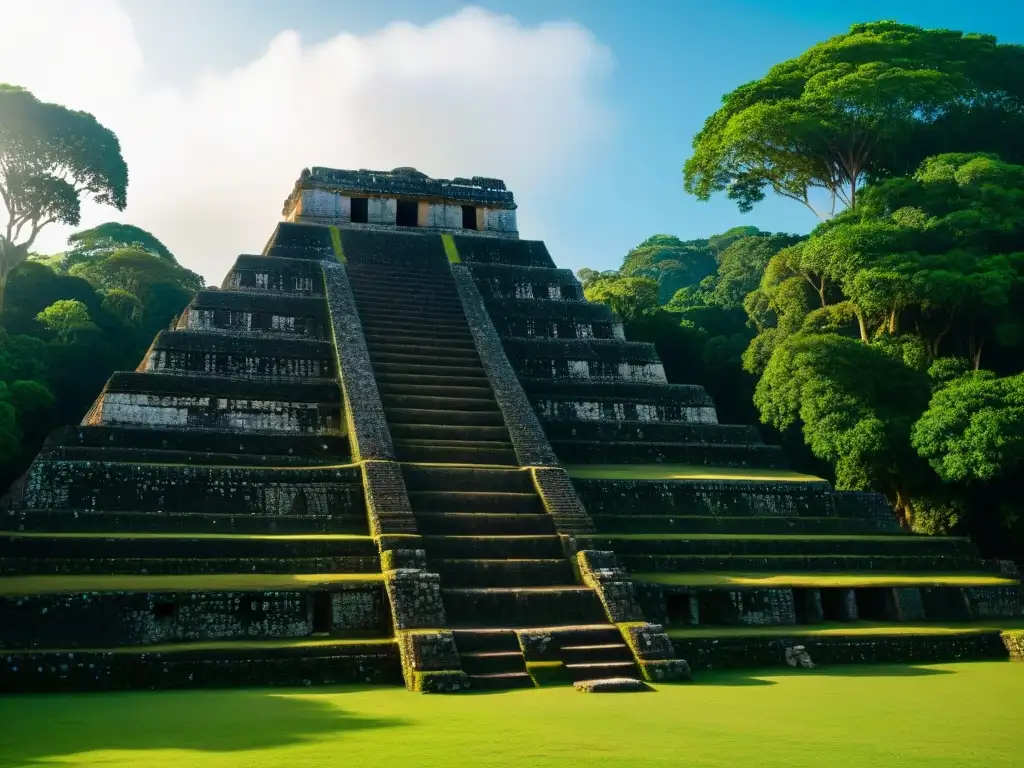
(403, 331)
(411, 306)
(184, 523)
(407, 293)
(442, 382)
(456, 452)
(539, 572)
(411, 316)
(431, 379)
(601, 670)
(522, 606)
(476, 501)
(671, 523)
(446, 547)
(814, 563)
(438, 403)
(148, 455)
(420, 477)
(24, 566)
(413, 341)
(485, 640)
(404, 350)
(500, 682)
(429, 417)
(596, 653)
(440, 431)
(483, 524)
(429, 358)
(493, 662)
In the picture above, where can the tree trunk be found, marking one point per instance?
(862, 324)
(904, 510)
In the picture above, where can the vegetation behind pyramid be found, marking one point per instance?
(399, 444)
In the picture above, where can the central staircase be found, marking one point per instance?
(486, 531)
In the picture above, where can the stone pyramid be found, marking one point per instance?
(399, 446)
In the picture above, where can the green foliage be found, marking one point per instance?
(858, 106)
(974, 427)
(111, 236)
(66, 318)
(10, 431)
(629, 297)
(670, 262)
(50, 157)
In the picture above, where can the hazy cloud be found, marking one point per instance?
(212, 160)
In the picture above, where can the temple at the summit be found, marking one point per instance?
(399, 446)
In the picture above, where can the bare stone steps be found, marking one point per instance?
(521, 606)
(417, 343)
(412, 315)
(483, 524)
(843, 544)
(15, 566)
(377, 249)
(442, 391)
(672, 523)
(457, 358)
(537, 572)
(437, 403)
(434, 379)
(382, 350)
(442, 547)
(412, 302)
(486, 640)
(813, 563)
(456, 452)
(83, 521)
(420, 477)
(376, 327)
(476, 501)
(501, 682)
(493, 663)
(401, 430)
(637, 431)
(601, 670)
(406, 417)
(649, 452)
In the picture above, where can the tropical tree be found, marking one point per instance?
(863, 105)
(670, 262)
(51, 157)
(66, 318)
(629, 297)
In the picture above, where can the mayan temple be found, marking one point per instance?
(399, 446)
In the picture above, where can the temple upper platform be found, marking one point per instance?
(404, 199)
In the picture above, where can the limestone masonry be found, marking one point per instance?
(399, 446)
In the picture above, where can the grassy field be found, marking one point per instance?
(847, 628)
(817, 580)
(948, 716)
(681, 472)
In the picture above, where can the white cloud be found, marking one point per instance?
(211, 161)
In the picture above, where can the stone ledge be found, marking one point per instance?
(611, 685)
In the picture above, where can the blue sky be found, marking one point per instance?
(673, 60)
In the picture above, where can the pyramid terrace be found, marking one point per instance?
(399, 446)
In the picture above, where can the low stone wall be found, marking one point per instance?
(39, 672)
(111, 619)
(522, 253)
(615, 401)
(754, 652)
(272, 275)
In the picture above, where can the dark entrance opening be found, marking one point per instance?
(803, 600)
(873, 604)
(833, 605)
(360, 210)
(322, 613)
(469, 217)
(677, 607)
(407, 213)
(165, 611)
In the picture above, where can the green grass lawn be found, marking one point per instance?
(681, 472)
(817, 580)
(201, 536)
(40, 585)
(900, 537)
(936, 716)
